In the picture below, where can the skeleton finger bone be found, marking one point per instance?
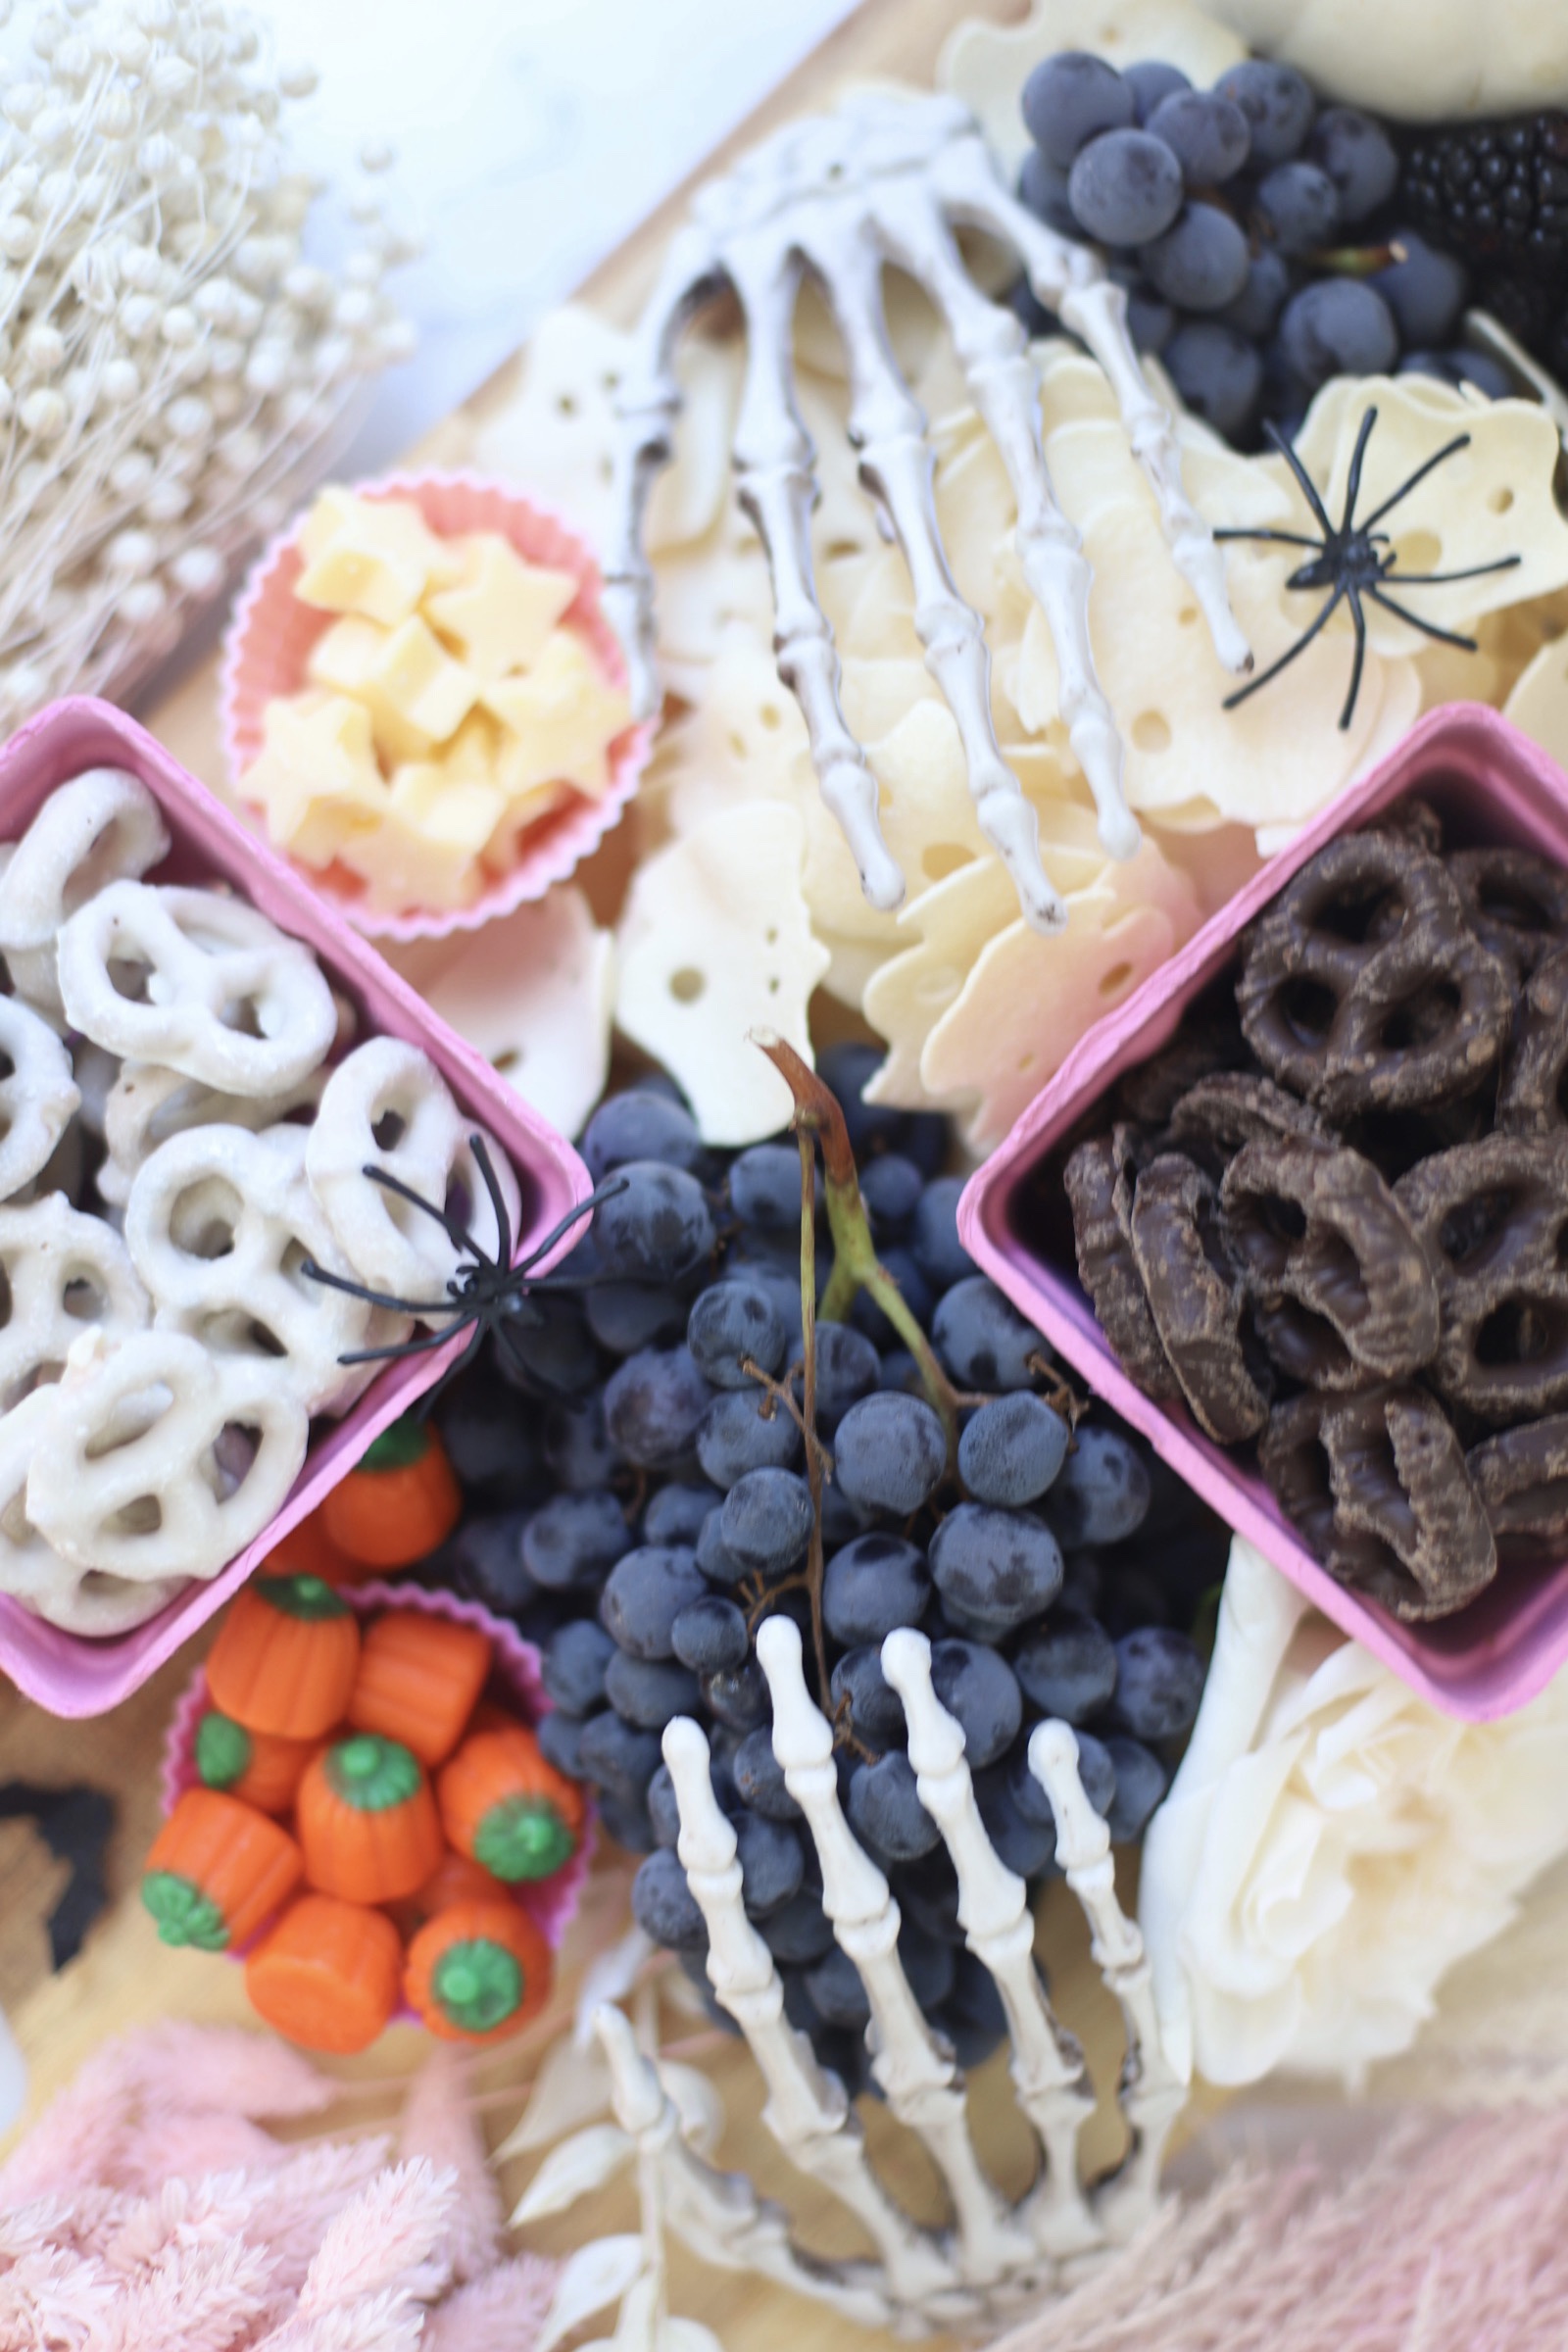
(1048, 2065)
(807, 2112)
(386, 1107)
(137, 1470)
(101, 828)
(888, 427)
(1154, 2093)
(219, 1225)
(38, 1095)
(62, 1273)
(916, 2074)
(225, 996)
(881, 180)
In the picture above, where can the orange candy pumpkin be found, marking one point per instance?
(256, 1767)
(479, 1971)
(399, 1503)
(418, 1680)
(327, 1976)
(503, 1806)
(285, 1659)
(216, 1870)
(366, 1820)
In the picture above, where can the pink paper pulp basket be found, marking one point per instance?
(63, 1672)
(515, 1680)
(1490, 785)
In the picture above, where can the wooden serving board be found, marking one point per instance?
(123, 1976)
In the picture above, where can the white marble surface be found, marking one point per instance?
(531, 136)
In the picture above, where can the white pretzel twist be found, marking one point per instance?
(65, 1272)
(228, 997)
(101, 828)
(38, 1095)
(219, 1225)
(147, 1105)
(79, 1600)
(132, 1472)
(390, 1088)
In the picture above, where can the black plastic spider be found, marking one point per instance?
(489, 1291)
(1355, 561)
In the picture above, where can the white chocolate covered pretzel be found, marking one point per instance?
(386, 1107)
(64, 1271)
(219, 1226)
(101, 828)
(38, 1096)
(148, 1103)
(134, 1468)
(220, 993)
(80, 1601)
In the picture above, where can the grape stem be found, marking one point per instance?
(855, 1264)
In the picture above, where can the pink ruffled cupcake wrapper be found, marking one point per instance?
(516, 1678)
(270, 638)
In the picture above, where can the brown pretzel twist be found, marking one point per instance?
(1361, 987)
(1344, 1289)
(1494, 1219)
(1098, 1184)
(1378, 1486)
(1533, 1085)
(1515, 902)
(1197, 1298)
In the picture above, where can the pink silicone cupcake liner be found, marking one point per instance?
(1490, 785)
(515, 1682)
(64, 1673)
(270, 638)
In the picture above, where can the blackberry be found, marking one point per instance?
(1493, 192)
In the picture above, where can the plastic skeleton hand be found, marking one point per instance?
(886, 180)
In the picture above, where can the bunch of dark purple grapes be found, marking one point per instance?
(640, 1502)
(1257, 235)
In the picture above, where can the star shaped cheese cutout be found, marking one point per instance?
(425, 852)
(316, 776)
(374, 557)
(415, 694)
(561, 719)
(502, 610)
(344, 655)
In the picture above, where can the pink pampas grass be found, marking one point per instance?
(148, 2209)
(438, 2123)
(1452, 2238)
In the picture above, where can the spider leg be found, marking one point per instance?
(481, 1152)
(1428, 628)
(401, 1347)
(1285, 538)
(449, 1225)
(458, 1363)
(421, 1308)
(1287, 658)
(1438, 579)
(1303, 480)
(573, 1216)
(1353, 486)
(1459, 441)
(1358, 621)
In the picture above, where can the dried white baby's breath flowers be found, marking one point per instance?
(169, 362)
